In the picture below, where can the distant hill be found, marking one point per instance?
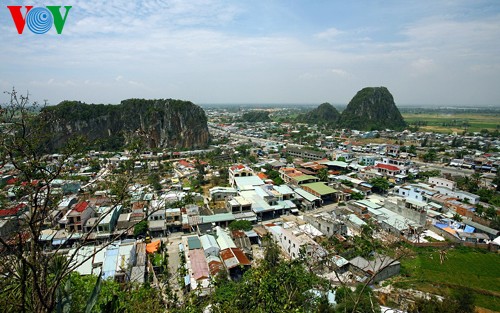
(156, 123)
(324, 114)
(256, 116)
(372, 108)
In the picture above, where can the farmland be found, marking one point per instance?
(453, 122)
(462, 267)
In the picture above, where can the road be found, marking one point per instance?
(444, 169)
(174, 261)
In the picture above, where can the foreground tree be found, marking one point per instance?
(30, 277)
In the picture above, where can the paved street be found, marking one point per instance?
(173, 261)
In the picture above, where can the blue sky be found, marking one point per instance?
(209, 51)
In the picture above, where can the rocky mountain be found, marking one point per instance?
(372, 108)
(256, 116)
(154, 123)
(324, 114)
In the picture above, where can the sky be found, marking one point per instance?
(439, 53)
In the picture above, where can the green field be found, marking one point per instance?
(463, 267)
(455, 122)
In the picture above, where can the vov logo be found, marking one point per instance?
(39, 20)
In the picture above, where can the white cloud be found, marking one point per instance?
(328, 34)
(423, 66)
(193, 50)
(339, 72)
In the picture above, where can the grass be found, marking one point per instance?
(463, 267)
(454, 122)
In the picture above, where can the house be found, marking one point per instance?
(416, 192)
(381, 268)
(326, 223)
(108, 219)
(156, 222)
(294, 241)
(118, 260)
(221, 193)
(235, 261)
(321, 190)
(467, 197)
(307, 199)
(124, 221)
(303, 179)
(198, 265)
(239, 170)
(173, 217)
(247, 183)
(215, 264)
(387, 169)
(78, 216)
(368, 160)
(210, 246)
(238, 204)
(305, 154)
(442, 182)
(287, 173)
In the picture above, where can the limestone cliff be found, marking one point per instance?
(372, 108)
(164, 123)
(324, 114)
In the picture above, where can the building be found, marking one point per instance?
(221, 193)
(381, 268)
(78, 216)
(387, 170)
(210, 246)
(327, 223)
(294, 241)
(305, 154)
(239, 170)
(321, 190)
(442, 182)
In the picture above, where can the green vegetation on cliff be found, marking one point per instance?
(256, 116)
(324, 114)
(372, 108)
(151, 123)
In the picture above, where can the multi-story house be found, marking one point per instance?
(78, 216)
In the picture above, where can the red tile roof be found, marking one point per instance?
(262, 176)
(12, 211)
(80, 207)
(387, 167)
(185, 163)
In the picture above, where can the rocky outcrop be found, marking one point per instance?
(372, 108)
(153, 123)
(324, 114)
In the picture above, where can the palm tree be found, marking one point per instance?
(323, 174)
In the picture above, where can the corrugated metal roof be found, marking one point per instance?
(320, 188)
(199, 264)
(110, 259)
(222, 217)
(306, 195)
(208, 241)
(234, 257)
(194, 243)
(224, 240)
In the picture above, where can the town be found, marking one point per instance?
(338, 199)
